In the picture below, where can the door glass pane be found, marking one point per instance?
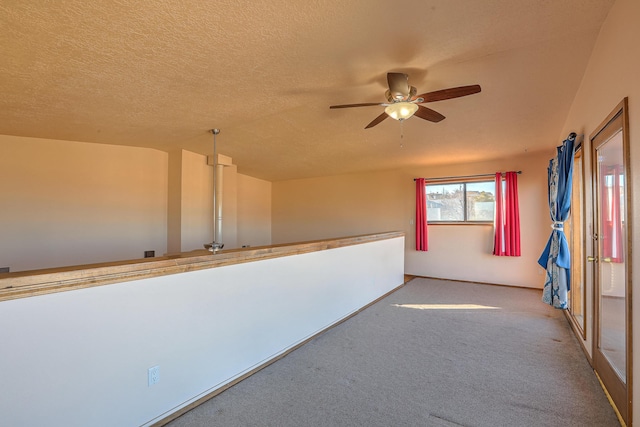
(612, 249)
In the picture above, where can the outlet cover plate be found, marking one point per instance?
(154, 375)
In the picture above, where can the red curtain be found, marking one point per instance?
(512, 216)
(422, 243)
(612, 245)
(498, 221)
(507, 223)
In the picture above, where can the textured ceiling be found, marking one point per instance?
(160, 74)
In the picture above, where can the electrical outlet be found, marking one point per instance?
(154, 375)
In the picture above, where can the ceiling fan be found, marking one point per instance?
(402, 101)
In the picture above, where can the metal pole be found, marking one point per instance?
(216, 245)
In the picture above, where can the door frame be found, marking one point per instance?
(621, 396)
(578, 252)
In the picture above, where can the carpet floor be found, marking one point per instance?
(433, 353)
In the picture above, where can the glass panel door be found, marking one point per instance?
(612, 251)
(612, 302)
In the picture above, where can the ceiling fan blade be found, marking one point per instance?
(428, 114)
(398, 85)
(377, 120)
(366, 104)
(454, 92)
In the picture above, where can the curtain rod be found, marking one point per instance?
(463, 177)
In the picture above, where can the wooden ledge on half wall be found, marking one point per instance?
(24, 284)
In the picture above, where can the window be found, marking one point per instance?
(470, 202)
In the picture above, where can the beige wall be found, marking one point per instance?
(612, 74)
(230, 223)
(465, 252)
(197, 207)
(174, 203)
(68, 203)
(246, 206)
(337, 206)
(385, 201)
(254, 211)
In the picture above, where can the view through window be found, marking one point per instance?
(461, 201)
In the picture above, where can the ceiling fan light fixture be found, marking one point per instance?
(401, 110)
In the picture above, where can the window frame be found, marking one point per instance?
(463, 182)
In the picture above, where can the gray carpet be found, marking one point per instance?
(402, 362)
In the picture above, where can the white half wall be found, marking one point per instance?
(80, 358)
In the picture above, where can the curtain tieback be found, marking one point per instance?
(558, 225)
